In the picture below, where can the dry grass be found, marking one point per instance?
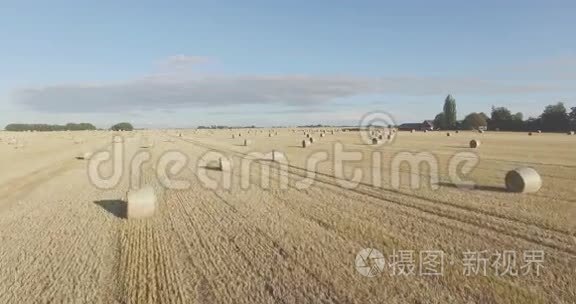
(66, 241)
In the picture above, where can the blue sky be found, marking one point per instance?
(188, 63)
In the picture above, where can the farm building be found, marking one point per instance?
(425, 125)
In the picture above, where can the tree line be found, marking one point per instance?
(19, 127)
(554, 118)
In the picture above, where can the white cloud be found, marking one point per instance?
(291, 90)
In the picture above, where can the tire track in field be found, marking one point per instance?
(253, 244)
(451, 211)
(473, 218)
(305, 243)
(243, 237)
(555, 197)
(376, 190)
(342, 262)
(225, 275)
(301, 199)
(558, 268)
(269, 227)
(150, 268)
(555, 271)
(552, 239)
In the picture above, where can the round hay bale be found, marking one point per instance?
(85, 156)
(448, 134)
(307, 135)
(480, 131)
(389, 137)
(224, 164)
(233, 136)
(529, 133)
(375, 141)
(539, 131)
(474, 143)
(304, 143)
(321, 134)
(523, 180)
(311, 140)
(141, 203)
(146, 142)
(457, 131)
(412, 131)
(276, 155)
(380, 136)
(571, 133)
(247, 142)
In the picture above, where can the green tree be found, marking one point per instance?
(80, 126)
(572, 118)
(45, 127)
(450, 112)
(475, 121)
(501, 114)
(532, 124)
(440, 121)
(501, 118)
(555, 118)
(123, 126)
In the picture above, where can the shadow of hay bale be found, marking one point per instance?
(212, 168)
(476, 187)
(116, 207)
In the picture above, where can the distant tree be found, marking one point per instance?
(80, 126)
(532, 124)
(501, 118)
(517, 123)
(450, 112)
(501, 114)
(484, 116)
(123, 126)
(555, 118)
(572, 118)
(47, 127)
(440, 121)
(474, 121)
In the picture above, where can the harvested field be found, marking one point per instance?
(64, 240)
